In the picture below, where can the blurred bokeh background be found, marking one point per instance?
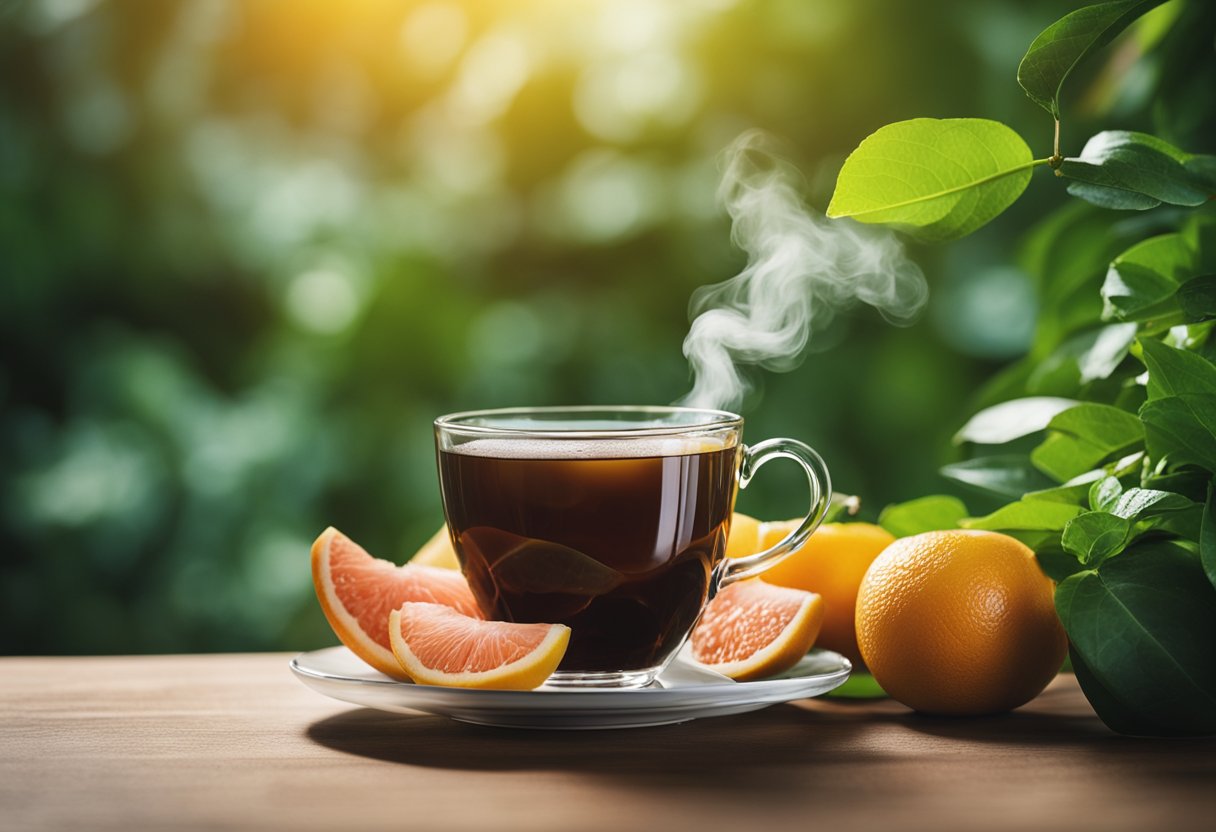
(249, 249)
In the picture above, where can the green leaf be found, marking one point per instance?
(1095, 536)
(1141, 280)
(1197, 298)
(1101, 424)
(1026, 515)
(939, 179)
(1007, 475)
(1110, 709)
(1056, 563)
(926, 514)
(1010, 420)
(1144, 624)
(1142, 502)
(1172, 372)
(1135, 171)
(1070, 40)
(1075, 491)
(1207, 536)
(1191, 483)
(1182, 429)
(1083, 436)
(841, 506)
(1104, 494)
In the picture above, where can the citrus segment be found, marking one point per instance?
(357, 592)
(437, 551)
(753, 629)
(831, 563)
(435, 645)
(959, 622)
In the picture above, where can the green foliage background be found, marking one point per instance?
(249, 250)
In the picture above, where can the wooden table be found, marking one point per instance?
(234, 742)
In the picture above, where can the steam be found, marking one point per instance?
(802, 269)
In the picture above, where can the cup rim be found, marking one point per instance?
(712, 421)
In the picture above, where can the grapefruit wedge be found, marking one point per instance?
(436, 645)
(357, 593)
(752, 629)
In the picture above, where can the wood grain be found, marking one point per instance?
(234, 742)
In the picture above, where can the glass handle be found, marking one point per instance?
(736, 569)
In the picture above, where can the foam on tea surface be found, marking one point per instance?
(630, 448)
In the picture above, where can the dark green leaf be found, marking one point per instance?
(1183, 523)
(1056, 563)
(1095, 536)
(1110, 709)
(1105, 494)
(1133, 171)
(1207, 537)
(1191, 483)
(926, 514)
(1026, 515)
(1197, 298)
(1182, 429)
(1144, 624)
(1070, 40)
(938, 179)
(1172, 372)
(1010, 420)
(1008, 475)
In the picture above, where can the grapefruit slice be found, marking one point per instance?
(436, 645)
(752, 629)
(358, 591)
(437, 551)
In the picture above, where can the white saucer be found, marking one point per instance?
(684, 691)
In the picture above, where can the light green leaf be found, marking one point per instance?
(1105, 493)
(1141, 280)
(926, 514)
(1135, 171)
(1146, 282)
(938, 179)
(1026, 515)
(1172, 372)
(1083, 436)
(1144, 625)
(1142, 502)
(1010, 420)
(1006, 475)
(1095, 536)
(1063, 45)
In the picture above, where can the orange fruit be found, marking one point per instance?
(437, 551)
(436, 645)
(832, 564)
(959, 622)
(753, 629)
(357, 592)
(744, 538)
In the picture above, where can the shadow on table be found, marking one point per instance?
(746, 752)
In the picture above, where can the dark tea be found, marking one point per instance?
(617, 540)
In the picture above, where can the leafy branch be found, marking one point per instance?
(1117, 496)
(941, 179)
